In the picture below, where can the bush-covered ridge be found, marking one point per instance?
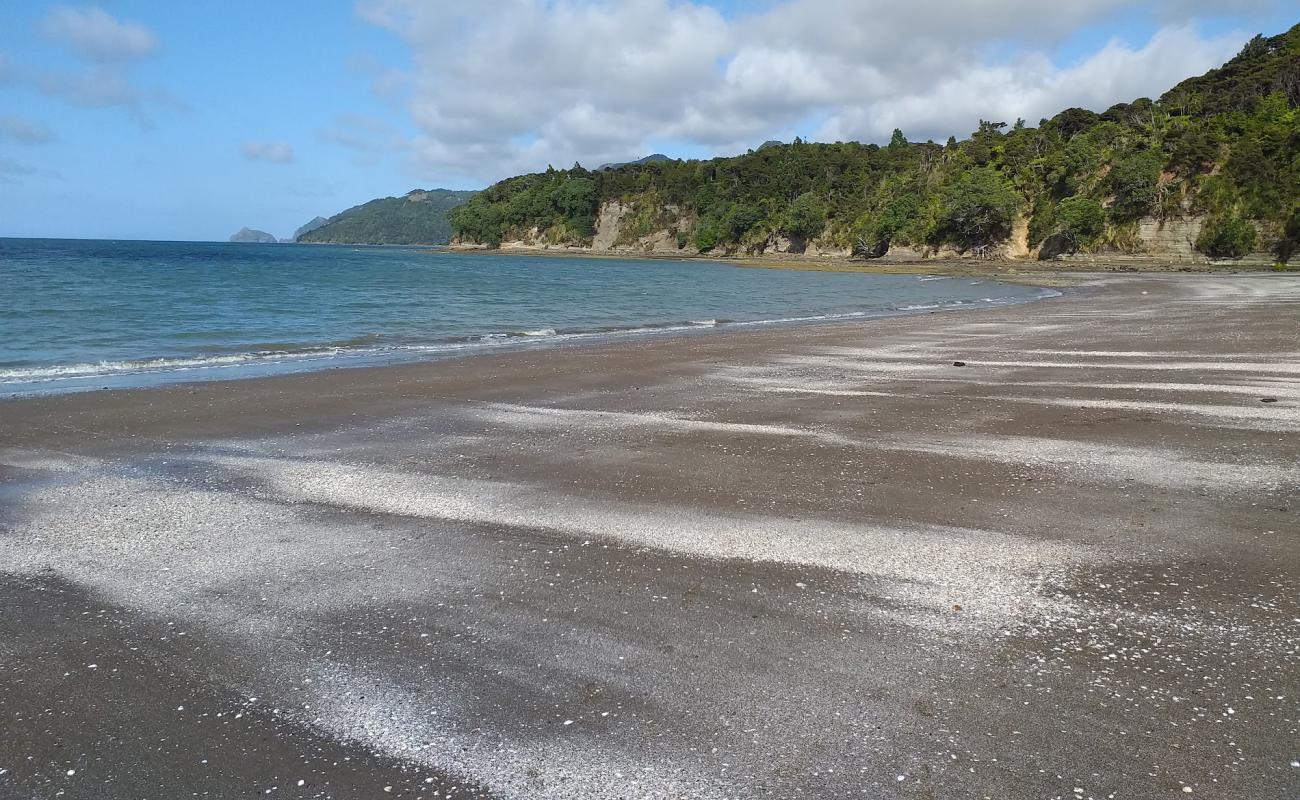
(1225, 146)
(418, 217)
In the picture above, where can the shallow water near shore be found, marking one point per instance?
(86, 314)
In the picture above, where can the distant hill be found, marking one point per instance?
(253, 236)
(653, 158)
(309, 227)
(417, 217)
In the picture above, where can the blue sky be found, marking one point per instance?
(133, 119)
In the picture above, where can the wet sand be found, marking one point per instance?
(800, 562)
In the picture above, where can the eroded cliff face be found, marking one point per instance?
(1173, 238)
(621, 230)
(609, 223)
(616, 233)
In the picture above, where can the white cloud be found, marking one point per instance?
(1033, 88)
(274, 152)
(24, 131)
(107, 47)
(93, 34)
(502, 86)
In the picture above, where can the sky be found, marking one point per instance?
(173, 120)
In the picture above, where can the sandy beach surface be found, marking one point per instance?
(819, 562)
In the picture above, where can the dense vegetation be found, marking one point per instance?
(1224, 146)
(418, 217)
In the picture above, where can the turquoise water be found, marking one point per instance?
(86, 314)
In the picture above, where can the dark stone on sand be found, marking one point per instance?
(959, 363)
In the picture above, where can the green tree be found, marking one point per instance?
(575, 197)
(740, 219)
(1289, 242)
(1227, 236)
(880, 229)
(707, 236)
(1081, 220)
(806, 217)
(978, 208)
(1133, 182)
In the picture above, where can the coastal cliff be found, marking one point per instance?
(1209, 171)
(1172, 239)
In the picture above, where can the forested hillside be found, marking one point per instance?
(418, 217)
(1223, 148)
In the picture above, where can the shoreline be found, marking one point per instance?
(147, 372)
(962, 267)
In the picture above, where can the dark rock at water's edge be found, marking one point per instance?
(252, 235)
(309, 227)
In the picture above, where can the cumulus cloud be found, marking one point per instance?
(24, 131)
(274, 152)
(1032, 88)
(502, 86)
(93, 34)
(107, 48)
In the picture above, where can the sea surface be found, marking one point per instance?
(78, 314)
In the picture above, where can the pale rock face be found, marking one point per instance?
(609, 223)
(823, 250)
(1174, 237)
(1018, 245)
(659, 242)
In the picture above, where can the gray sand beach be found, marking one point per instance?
(820, 561)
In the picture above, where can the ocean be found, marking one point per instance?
(78, 315)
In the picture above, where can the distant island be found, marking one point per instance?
(417, 217)
(1209, 170)
(253, 236)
